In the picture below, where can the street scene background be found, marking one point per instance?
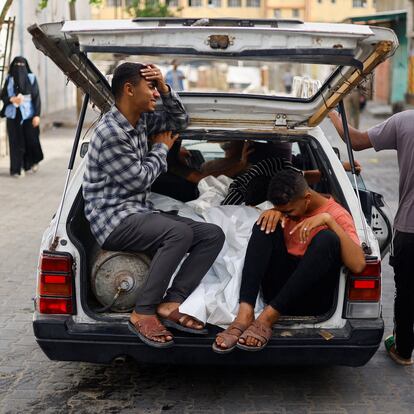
(30, 383)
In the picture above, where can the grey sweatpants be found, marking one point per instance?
(168, 238)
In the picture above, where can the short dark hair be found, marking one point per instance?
(286, 186)
(126, 72)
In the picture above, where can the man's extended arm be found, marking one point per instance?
(359, 140)
(351, 253)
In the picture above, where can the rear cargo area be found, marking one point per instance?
(92, 256)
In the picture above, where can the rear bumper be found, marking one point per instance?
(62, 340)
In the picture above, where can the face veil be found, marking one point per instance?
(19, 70)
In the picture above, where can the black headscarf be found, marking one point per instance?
(19, 70)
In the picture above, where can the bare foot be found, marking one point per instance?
(165, 309)
(137, 318)
(244, 318)
(267, 318)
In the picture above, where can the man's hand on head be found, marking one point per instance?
(166, 138)
(152, 73)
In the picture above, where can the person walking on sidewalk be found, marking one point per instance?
(396, 133)
(119, 173)
(21, 107)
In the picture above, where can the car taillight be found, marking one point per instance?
(364, 292)
(55, 305)
(56, 293)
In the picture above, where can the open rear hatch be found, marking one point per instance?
(350, 51)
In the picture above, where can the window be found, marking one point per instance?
(319, 1)
(253, 3)
(234, 3)
(172, 3)
(195, 3)
(359, 3)
(214, 3)
(333, 1)
(277, 13)
(295, 12)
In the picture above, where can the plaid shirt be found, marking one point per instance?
(119, 168)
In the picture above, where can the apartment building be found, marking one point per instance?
(308, 10)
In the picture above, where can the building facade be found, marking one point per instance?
(307, 10)
(406, 6)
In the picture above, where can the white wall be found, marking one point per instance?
(55, 94)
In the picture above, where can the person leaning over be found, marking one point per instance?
(396, 133)
(119, 172)
(294, 255)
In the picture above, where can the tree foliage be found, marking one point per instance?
(43, 3)
(149, 8)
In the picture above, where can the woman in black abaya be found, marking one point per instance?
(21, 107)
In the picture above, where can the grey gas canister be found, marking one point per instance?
(116, 278)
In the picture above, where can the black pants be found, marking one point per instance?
(24, 144)
(168, 238)
(176, 187)
(402, 261)
(291, 285)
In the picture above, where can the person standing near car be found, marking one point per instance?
(396, 133)
(119, 173)
(21, 107)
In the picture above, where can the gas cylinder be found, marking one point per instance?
(117, 277)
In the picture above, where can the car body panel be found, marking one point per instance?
(353, 345)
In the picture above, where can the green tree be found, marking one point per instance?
(43, 3)
(149, 8)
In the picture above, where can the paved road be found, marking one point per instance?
(29, 382)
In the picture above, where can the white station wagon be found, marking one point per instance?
(234, 89)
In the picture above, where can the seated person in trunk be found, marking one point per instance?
(251, 186)
(119, 173)
(181, 180)
(294, 255)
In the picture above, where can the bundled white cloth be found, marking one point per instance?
(212, 191)
(216, 299)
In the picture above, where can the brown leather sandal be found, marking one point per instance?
(148, 328)
(230, 337)
(258, 331)
(178, 320)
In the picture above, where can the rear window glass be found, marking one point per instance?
(270, 78)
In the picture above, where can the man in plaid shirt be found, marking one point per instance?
(120, 170)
